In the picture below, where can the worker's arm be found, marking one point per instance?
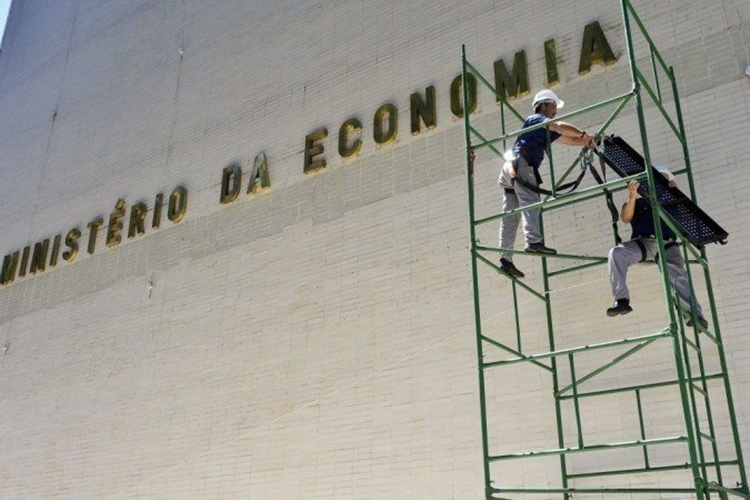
(571, 135)
(628, 209)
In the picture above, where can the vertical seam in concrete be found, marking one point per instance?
(60, 89)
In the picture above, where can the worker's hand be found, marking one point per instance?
(589, 141)
(633, 188)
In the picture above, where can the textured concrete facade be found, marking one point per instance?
(316, 339)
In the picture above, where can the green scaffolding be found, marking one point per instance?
(699, 362)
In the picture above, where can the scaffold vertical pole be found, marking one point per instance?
(474, 273)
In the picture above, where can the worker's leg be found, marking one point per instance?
(527, 197)
(678, 276)
(509, 224)
(620, 259)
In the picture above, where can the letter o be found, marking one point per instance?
(387, 113)
(457, 107)
(177, 204)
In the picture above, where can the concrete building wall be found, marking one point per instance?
(316, 339)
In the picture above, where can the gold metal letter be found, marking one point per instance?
(93, 229)
(231, 174)
(71, 240)
(10, 263)
(259, 176)
(177, 204)
(39, 257)
(457, 95)
(312, 150)
(24, 262)
(425, 111)
(156, 220)
(345, 150)
(115, 225)
(517, 82)
(550, 60)
(55, 251)
(137, 215)
(594, 48)
(387, 113)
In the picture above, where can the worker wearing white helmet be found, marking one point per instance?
(546, 96)
(520, 178)
(643, 246)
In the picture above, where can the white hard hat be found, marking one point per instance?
(663, 170)
(547, 95)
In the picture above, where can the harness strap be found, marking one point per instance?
(569, 186)
(643, 249)
(607, 194)
(639, 242)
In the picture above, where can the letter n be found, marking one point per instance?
(424, 110)
(39, 257)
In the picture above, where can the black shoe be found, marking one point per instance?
(508, 268)
(621, 306)
(540, 248)
(703, 322)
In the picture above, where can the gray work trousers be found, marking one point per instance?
(517, 196)
(628, 253)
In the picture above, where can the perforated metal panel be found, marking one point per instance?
(694, 224)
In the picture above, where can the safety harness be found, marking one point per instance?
(644, 254)
(563, 189)
(588, 160)
(568, 187)
(587, 164)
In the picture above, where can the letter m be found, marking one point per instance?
(10, 264)
(514, 83)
